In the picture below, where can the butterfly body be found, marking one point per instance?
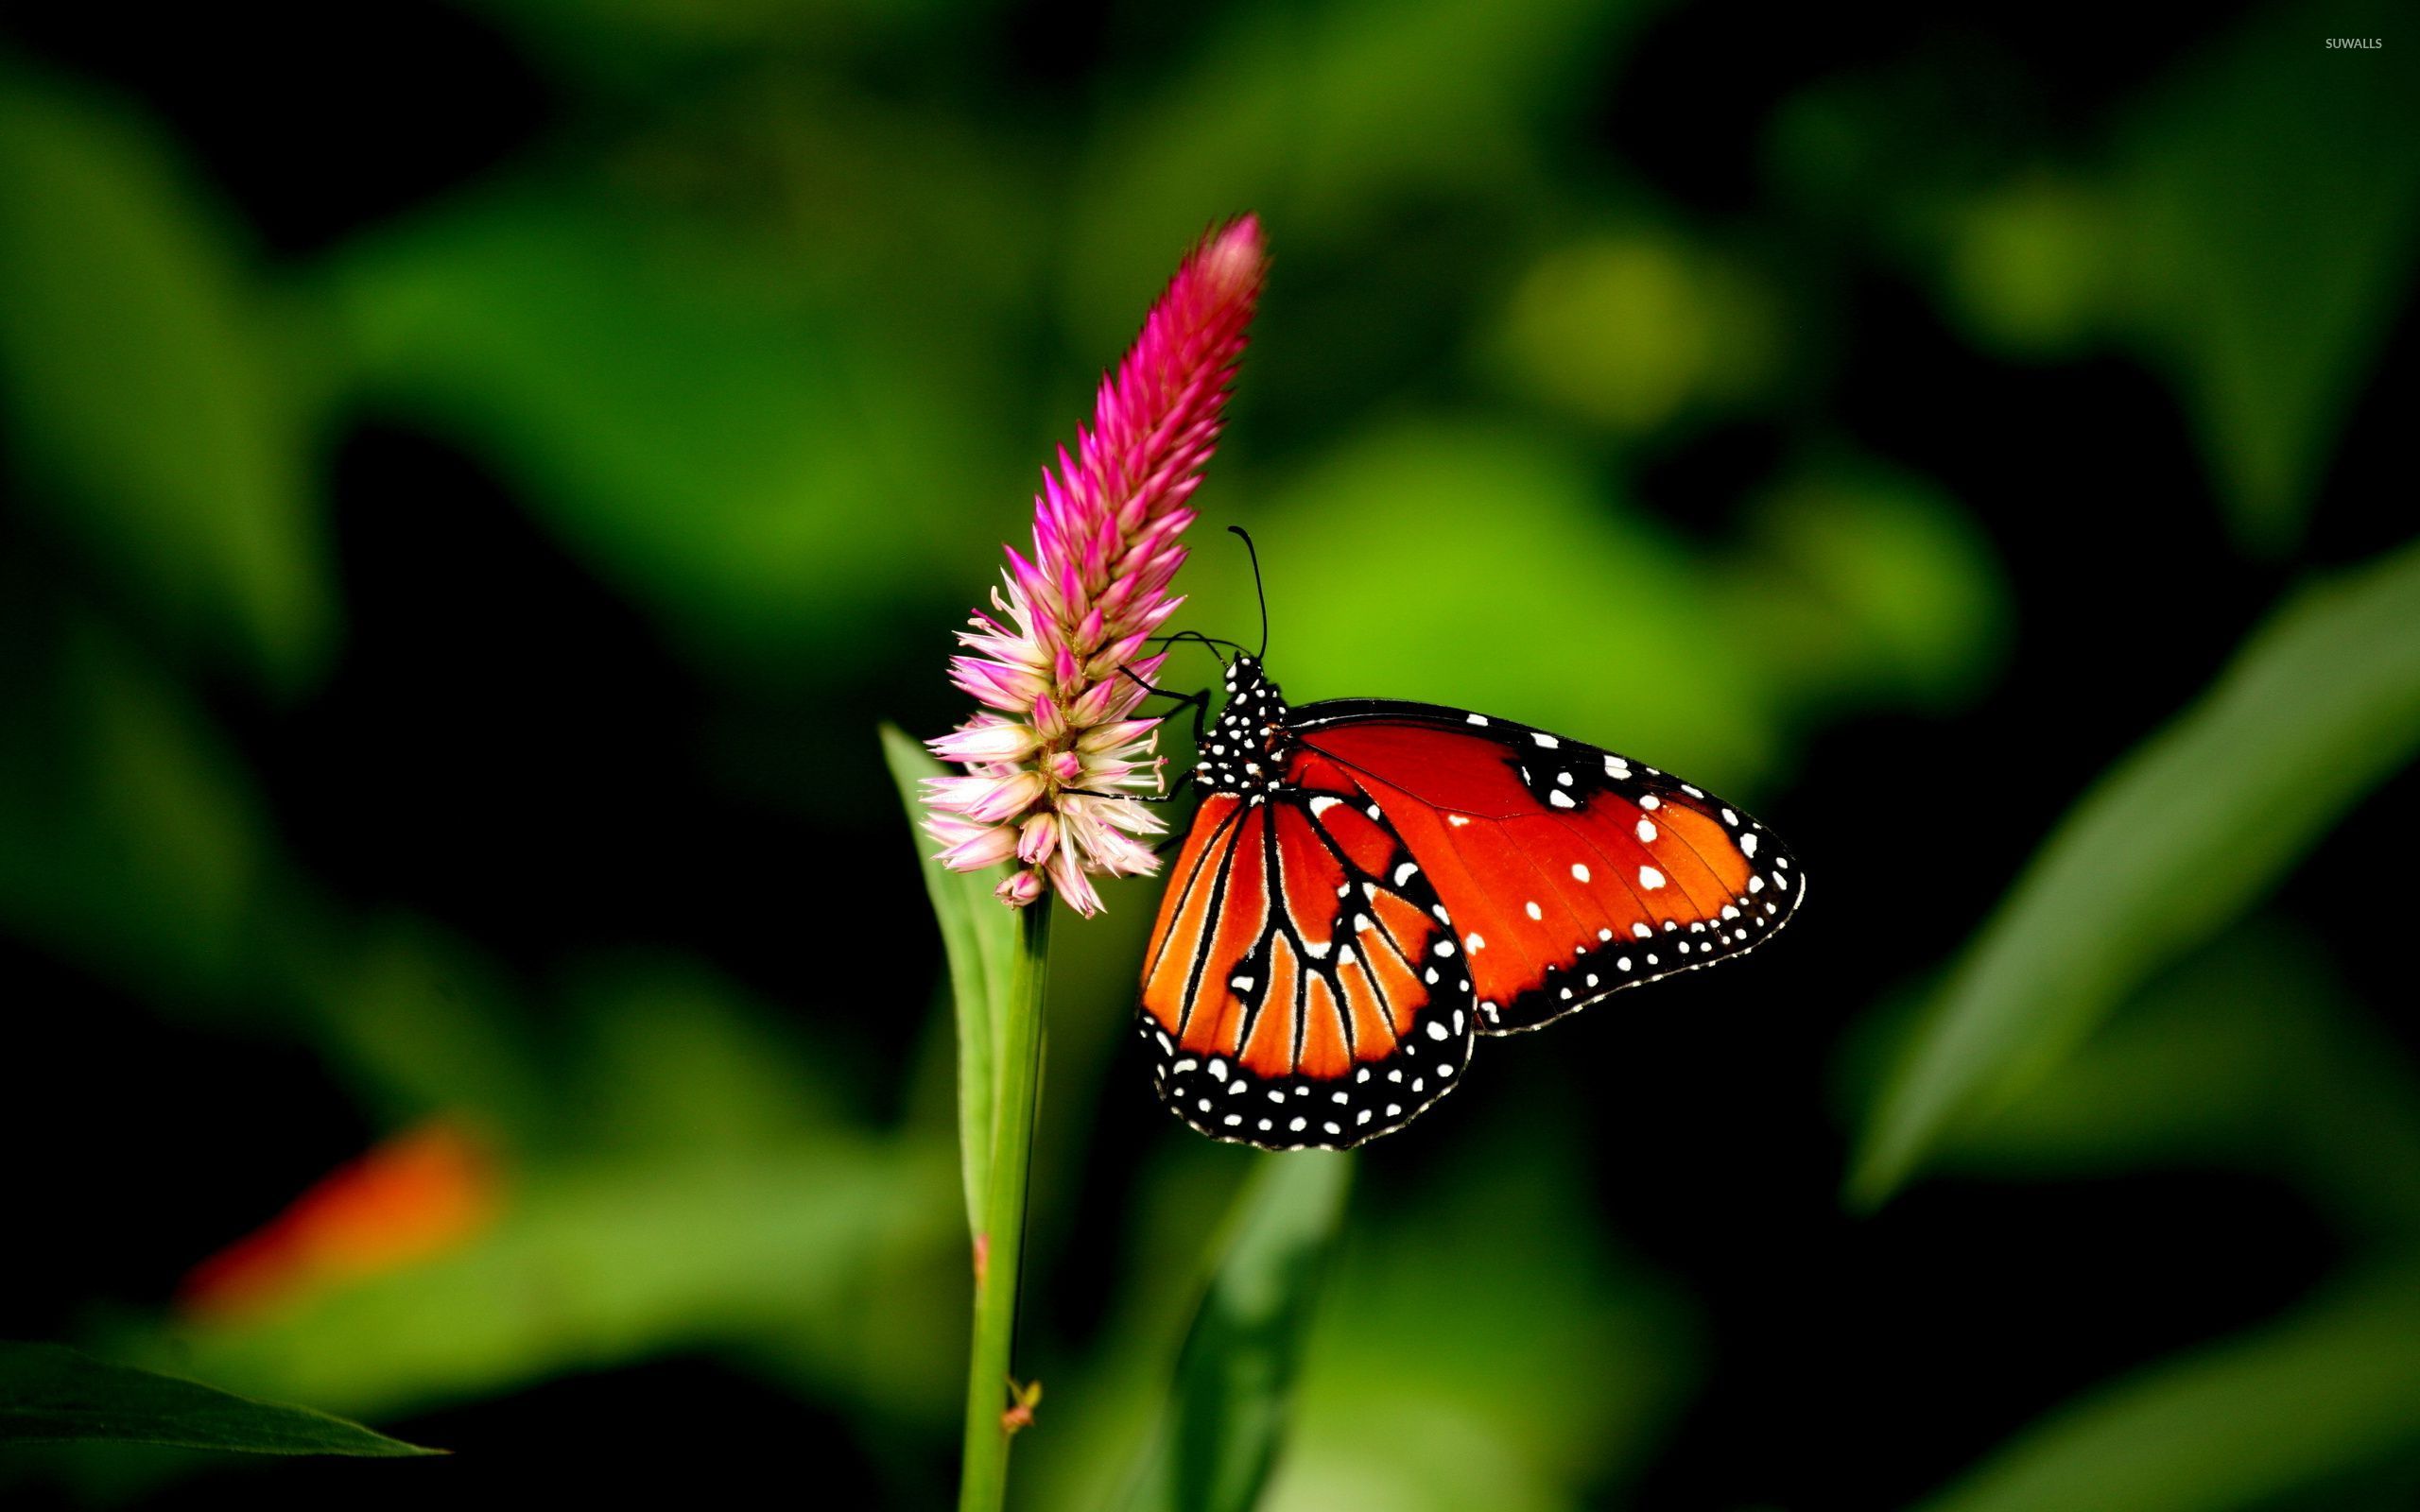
(1370, 884)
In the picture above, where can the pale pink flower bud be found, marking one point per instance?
(983, 740)
(991, 800)
(1038, 839)
(989, 848)
(1116, 733)
(1067, 872)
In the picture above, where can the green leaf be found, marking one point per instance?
(49, 1394)
(679, 1061)
(1235, 1378)
(2275, 191)
(2027, 267)
(1628, 331)
(1326, 117)
(834, 1245)
(2248, 1054)
(142, 379)
(1865, 585)
(129, 837)
(756, 460)
(980, 937)
(2322, 705)
(2331, 1391)
(1562, 1375)
(1500, 503)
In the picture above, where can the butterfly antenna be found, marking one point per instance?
(1210, 642)
(1256, 587)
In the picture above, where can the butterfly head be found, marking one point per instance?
(1245, 752)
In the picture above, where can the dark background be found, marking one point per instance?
(478, 473)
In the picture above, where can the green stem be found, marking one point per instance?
(983, 1482)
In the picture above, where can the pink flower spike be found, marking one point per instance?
(1053, 783)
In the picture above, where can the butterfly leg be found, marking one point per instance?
(1182, 781)
(1198, 700)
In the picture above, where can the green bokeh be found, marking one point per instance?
(744, 360)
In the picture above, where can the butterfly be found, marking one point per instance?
(1369, 886)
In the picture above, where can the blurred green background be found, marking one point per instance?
(478, 473)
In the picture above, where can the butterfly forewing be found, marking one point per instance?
(1570, 871)
(1303, 985)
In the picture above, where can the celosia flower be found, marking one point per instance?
(1060, 656)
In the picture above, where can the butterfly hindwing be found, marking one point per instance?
(1571, 872)
(1304, 984)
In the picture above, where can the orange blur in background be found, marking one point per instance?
(412, 1199)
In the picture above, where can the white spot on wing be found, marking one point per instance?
(1476, 719)
(1579, 872)
(1650, 878)
(1544, 739)
(1647, 831)
(1533, 910)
